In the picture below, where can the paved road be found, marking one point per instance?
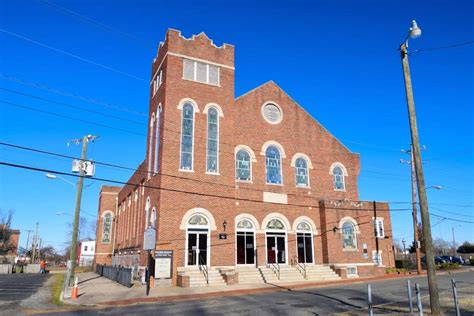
(16, 288)
(323, 301)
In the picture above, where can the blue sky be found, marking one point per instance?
(338, 59)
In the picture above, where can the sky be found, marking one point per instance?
(338, 59)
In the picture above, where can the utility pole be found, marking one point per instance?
(80, 183)
(454, 243)
(425, 217)
(416, 241)
(35, 244)
(28, 239)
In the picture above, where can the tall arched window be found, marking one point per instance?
(338, 178)
(212, 157)
(301, 173)
(150, 143)
(187, 137)
(157, 138)
(243, 166)
(153, 218)
(273, 165)
(106, 228)
(349, 241)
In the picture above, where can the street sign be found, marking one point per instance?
(149, 239)
(163, 264)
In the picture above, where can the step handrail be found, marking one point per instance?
(275, 268)
(203, 269)
(300, 266)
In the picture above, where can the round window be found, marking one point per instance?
(272, 113)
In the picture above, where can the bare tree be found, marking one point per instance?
(6, 245)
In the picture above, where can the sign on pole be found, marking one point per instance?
(149, 239)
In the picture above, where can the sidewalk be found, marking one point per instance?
(95, 290)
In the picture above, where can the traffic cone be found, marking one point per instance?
(74, 292)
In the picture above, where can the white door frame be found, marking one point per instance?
(208, 246)
(312, 243)
(254, 248)
(273, 231)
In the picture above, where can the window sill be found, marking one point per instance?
(213, 173)
(303, 187)
(186, 170)
(340, 190)
(350, 250)
(244, 181)
(275, 184)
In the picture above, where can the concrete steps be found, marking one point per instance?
(320, 273)
(249, 275)
(196, 277)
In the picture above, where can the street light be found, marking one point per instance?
(413, 33)
(53, 176)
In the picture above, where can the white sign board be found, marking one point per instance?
(149, 239)
(163, 264)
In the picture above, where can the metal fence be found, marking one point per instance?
(120, 275)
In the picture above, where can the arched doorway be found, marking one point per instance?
(245, 242)
(304, 243)
(276, 242)
(198, 241)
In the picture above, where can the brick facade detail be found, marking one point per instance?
(161, 195)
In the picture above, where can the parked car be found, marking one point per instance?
(438, 260)
(453, 259)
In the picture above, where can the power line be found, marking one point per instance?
(89, 20)
(71, 106)
(177, 190)
(71, 94)
(140, 171)
(442, 47)
(451, 219)
(71, 118)
(459, 214)
(71, 55)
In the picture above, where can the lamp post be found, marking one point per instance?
(415, 32)
(53, 176)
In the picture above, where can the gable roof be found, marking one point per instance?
(273, 83)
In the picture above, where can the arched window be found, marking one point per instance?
(106, 228)
(198, 220)
(273, 165)
(153, 218)
(212, 141)
(147, 212)
(187, 137)
(338, 178)
(245, 224)
(243, 166)
(157, 137)
(301, 173)
(275, 224)
(150, 143)
(349, 240)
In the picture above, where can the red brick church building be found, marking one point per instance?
(239, 190)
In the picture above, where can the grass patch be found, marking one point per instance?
(56, 288)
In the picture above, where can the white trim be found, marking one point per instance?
(305, 219)
(208, 247)
(360, 264)
(273, 143)
(338, 164)
(270, 231)
(147, 212)
(312, 244)
(263, 112)
(108, 212)
(157, 138)
(279, 216)
(254, 222)
(350, 219)
(200, 60)
(210, 105)
(194, 211)
(249, 217)
(301, 155)
(247, 148)
(380, 220)
(150, 144)
(181, 106)
(217, 140)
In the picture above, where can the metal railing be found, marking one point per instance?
(203, 268)
(120, 275)
(275, 268)
(300, 266)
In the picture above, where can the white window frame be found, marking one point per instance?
(150, 144)
(217, 140)
(181, 138)
(250, 166)
(378, 223)
(377, 257)
(354, 232)
(307, 185)
(355, 274)
(157, 138)
(207, 72)
(280, 166)
(109, 215)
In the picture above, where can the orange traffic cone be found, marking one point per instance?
(74, 292)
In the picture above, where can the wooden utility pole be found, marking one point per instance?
(425, 217)
(415, 215)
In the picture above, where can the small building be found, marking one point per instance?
(238, 189)
(9, 242)
(86, 252)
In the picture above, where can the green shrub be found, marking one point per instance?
(448, 266)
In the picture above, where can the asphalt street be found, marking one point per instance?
(15, 288)
(318, 301)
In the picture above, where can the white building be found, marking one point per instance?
(86, 253)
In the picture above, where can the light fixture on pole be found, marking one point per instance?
(53, 177)
(415, 32)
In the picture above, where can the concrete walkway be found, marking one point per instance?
(95, 290)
